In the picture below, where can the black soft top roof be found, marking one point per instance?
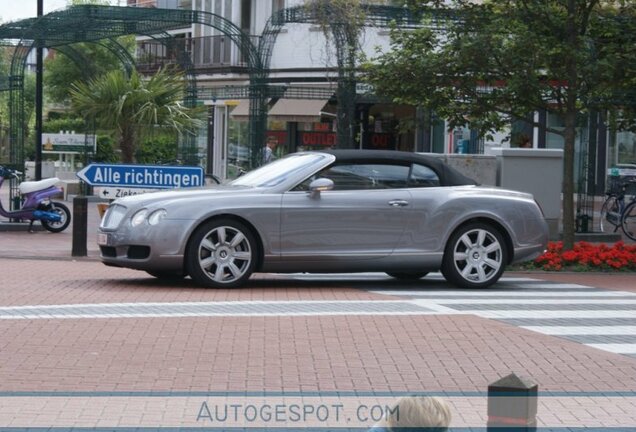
(448, 176)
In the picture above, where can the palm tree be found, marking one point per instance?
(130, 105)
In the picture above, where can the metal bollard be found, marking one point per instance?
(512, 405)
(80, 225)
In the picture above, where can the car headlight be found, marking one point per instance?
(139, 217)
(157, 216)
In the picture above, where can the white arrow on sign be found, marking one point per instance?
(117, 192)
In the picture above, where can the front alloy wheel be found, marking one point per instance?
(475, 256)
(221, 254)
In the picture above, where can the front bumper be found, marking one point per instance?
(146, 247)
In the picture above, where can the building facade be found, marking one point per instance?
(303, 62)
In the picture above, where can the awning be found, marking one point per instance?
(297, 110)
(289, 110)
(241, 112)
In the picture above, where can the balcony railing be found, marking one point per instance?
(207, 52)
(163, 4)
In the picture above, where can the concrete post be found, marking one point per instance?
(512, 404)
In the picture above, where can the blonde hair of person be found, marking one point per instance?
(420, 412)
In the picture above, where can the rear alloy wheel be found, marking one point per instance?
(221, 254)
(475, 256)
(407, 276)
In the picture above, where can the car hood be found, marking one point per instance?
(167, 197)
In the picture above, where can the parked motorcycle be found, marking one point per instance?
(53, 216)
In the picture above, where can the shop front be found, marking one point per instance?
(295, 125)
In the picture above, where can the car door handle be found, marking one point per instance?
(398, 203)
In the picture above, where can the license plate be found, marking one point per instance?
(102, 239)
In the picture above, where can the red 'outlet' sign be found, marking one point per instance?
(318, 138)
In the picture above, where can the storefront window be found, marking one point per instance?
(622, 148)
(238, 150)
(553, 140)
(277, 137)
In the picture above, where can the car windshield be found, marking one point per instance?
(276, 172)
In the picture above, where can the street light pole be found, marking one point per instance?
(39, 70)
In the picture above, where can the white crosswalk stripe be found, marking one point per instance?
(616, 348)
(598, 318)
(509, 294)
(569, 301)
(583, 330)
(534, 314)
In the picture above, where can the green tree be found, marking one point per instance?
(55, 124)
(132, 105)
(60, 71)
(158, 148)
(95, 58)
(105, 150)
(496, 61)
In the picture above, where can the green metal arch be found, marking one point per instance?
(122, 53)
(91, 23)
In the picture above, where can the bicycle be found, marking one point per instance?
(615, 212)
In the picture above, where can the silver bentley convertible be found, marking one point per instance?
(321, 212)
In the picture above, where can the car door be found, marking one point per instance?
(424, 226)
(361, 218)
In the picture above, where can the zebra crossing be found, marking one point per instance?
(599, 318)
(595, 317)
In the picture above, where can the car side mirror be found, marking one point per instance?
(320, 185)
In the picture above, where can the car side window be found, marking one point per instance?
(423, 176)
(362, 176)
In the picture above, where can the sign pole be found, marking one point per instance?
(80, 226)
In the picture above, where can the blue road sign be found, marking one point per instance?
(142, 176)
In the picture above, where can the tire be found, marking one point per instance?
(610, 205)
(65, 214)
(407, 276)
(475, 256)
(166, 275)
(628, 221)
(221, 254)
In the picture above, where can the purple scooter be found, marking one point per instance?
(53, 216)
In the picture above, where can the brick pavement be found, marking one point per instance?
(38, 282)
(46, 245)
(423, 353)
(447, 353)
(372, 353)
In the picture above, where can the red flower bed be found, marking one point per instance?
(588, 256)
